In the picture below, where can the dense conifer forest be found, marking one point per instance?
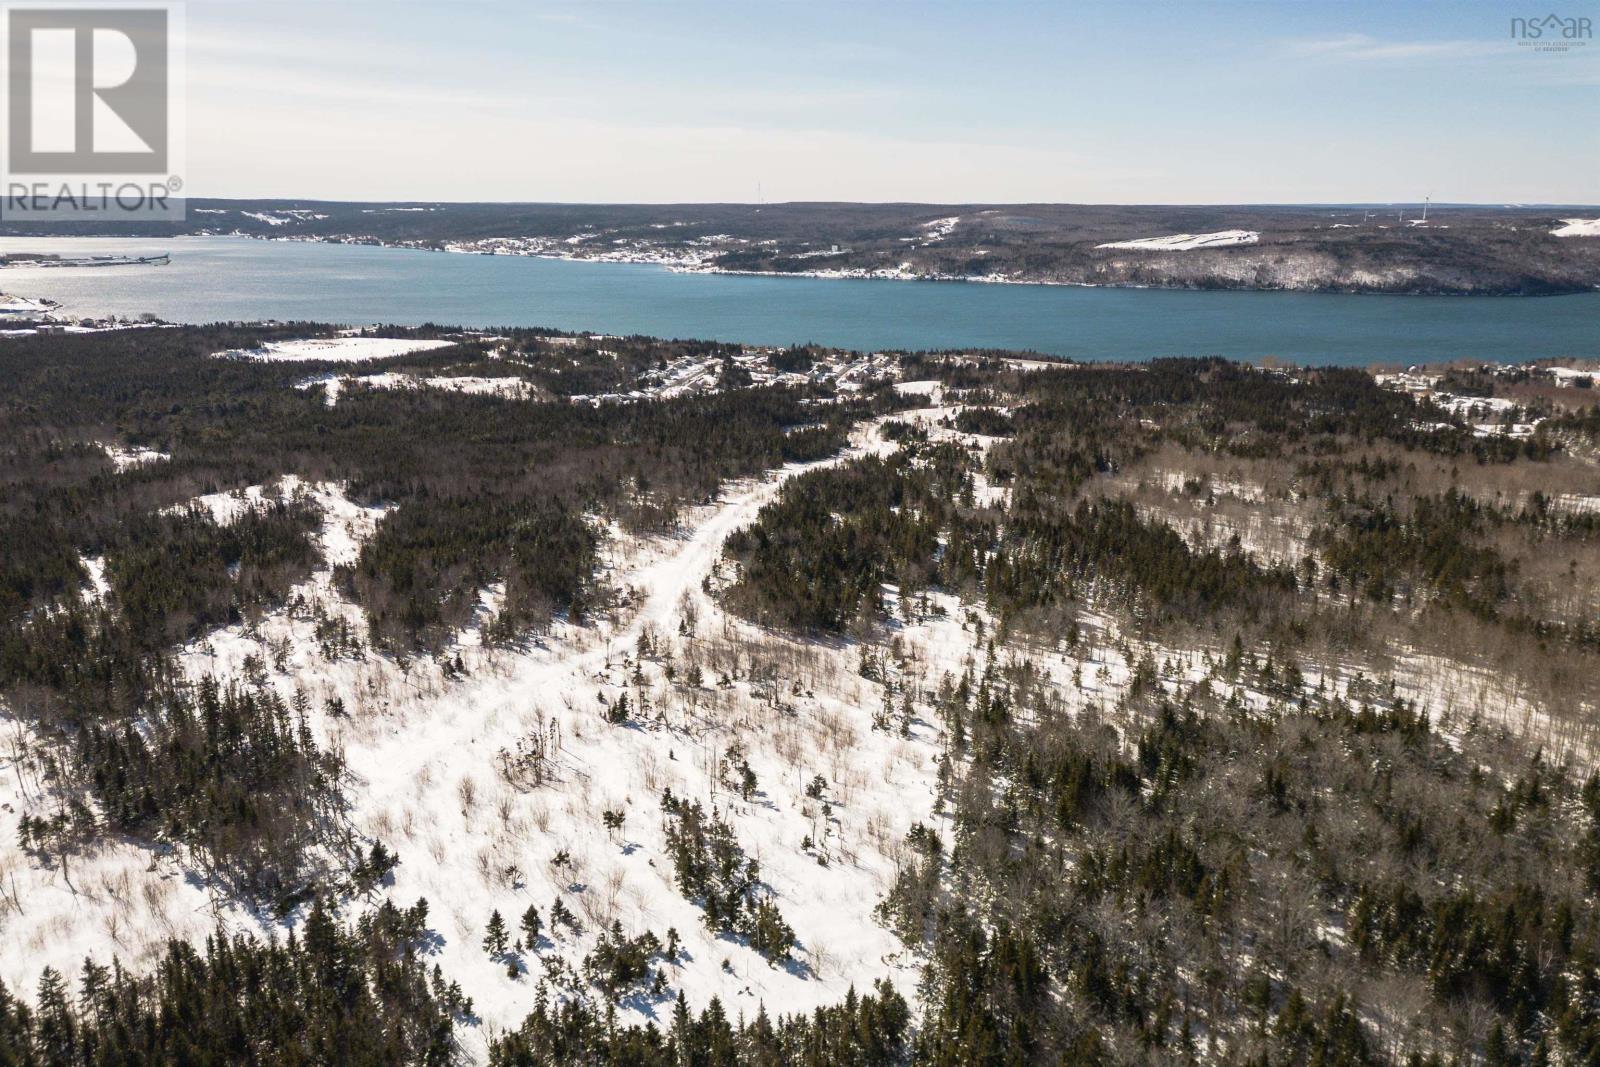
(335, 994)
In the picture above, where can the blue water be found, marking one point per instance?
(222, 278)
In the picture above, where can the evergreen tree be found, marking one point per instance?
(531, 926)
(494, 935)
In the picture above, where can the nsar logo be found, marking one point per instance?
(1552, 33)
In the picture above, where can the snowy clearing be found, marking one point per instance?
(283, 218)
(334, 384)
(1184, 242)
(337, 349)
(433, 752)
(1469, 405)
(128, 458)
(496, 775)
(1568, 375)
(225, 507)
(1577, 228)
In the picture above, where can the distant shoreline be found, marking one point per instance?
(229, 278)
(681, 266)
(1458, 250)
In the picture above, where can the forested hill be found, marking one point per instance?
(1464, 249)
(511, 697)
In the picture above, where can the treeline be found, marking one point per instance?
(1384, 537)
(421, 573)
(862, 1031)
(175, 576)
(590, 366)
(1105, 410)
(1050, 553)
(329, 993)
(232, 772)
(816, 558)
(1372, 551)
(487, 515)
(497, 491)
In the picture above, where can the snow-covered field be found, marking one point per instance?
(226, 507)
(1184, 242)
(435, 781)
(334, 384)
(1473, 405)
(115, 897)
(698, 374)
(128, 458)
(1577, 228)
(436, 776)
(440, 770)
(282, 218)
(337, 349)
(1566, 375)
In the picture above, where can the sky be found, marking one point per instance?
(888, 100)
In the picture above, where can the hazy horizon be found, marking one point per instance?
(1219, 103)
